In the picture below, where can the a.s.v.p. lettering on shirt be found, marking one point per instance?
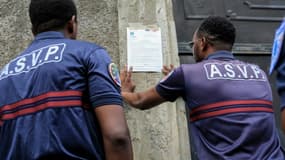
(48, 54)
(232, 71)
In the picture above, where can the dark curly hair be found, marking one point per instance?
(217, 29)
(47, 15)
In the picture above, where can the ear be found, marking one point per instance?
(34, 31)
(72, 27)
(204, 44)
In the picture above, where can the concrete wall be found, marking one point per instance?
(98, 22)
(157, 134)
(15, 32)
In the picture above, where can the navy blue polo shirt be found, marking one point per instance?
(48, 94)
(230, 103)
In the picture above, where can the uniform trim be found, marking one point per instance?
(39, 103)
(227, 107)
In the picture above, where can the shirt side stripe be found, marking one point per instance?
(41, 107)
(39, 103)
(229, 111)
(227, 103)
(38, 98)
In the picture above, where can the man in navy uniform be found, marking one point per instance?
(277, 63)
(230, 101)
(60, 98)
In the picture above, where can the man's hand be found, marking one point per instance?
(165, 70)
(127, 84)
(141, 100)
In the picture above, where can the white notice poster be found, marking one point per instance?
(144, 50)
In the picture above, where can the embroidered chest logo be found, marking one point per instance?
(30, 61)
(234, 71)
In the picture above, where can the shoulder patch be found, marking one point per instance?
(114, 73)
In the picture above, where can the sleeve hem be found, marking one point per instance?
(106, 100)
(159, 90)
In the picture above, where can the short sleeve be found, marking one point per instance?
(103, 87)
(172, 86)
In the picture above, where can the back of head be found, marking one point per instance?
(49, 15)
(218, 31)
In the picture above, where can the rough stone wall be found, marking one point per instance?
(98, 22)
(15, 32)
(157, 134)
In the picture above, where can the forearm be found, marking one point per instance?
(118, 148)
(133, 99)
(143, 100)
(115, 132)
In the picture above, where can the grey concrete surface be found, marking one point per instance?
(157, 134)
